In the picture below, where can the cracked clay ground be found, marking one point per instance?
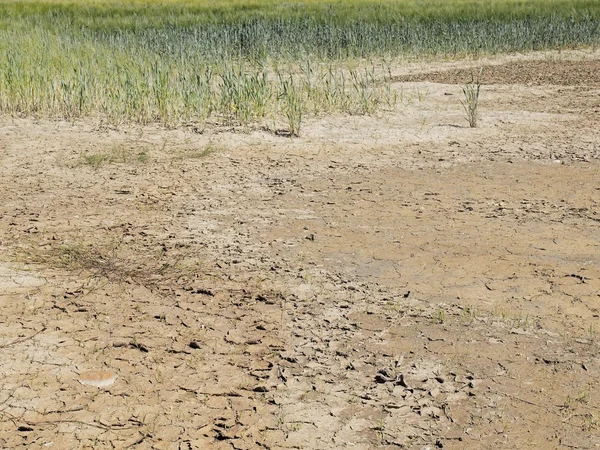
(388, 281)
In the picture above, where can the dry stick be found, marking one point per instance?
(31, 423)
(514, 397)
(80, 422)
(18, 341)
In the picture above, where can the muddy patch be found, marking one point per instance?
(530, 73)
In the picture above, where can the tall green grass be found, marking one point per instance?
(181, 62)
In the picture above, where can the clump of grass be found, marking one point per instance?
(363, 82)
(243, 96)
(78, 256)
(82, 257)
(114, 261)
(117, 154)
(471, 103)
(439, 316)
(202, 152)
(291, 99)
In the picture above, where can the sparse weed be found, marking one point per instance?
(294, 427)
(112, 262)
(471, 102)
(592, 333)
(583, 398)
(499, 312)
(440, 316)
(468, 314)
(202, 152)
(291, 99)
(522, 322)
(380, 430)
(118, 154)
(590, 422)
(281, 420)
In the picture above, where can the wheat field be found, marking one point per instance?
(184, 63)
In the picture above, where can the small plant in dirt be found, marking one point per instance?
(380, 430)
(291, 103)
(117, 154)
(471, 101)
(113, 261)
(201, 152)
(82, 257)
(291, 99)
(592, 333)
(590, 422)
(468, 315)
(439, 316)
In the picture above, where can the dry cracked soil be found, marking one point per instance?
(397, 280)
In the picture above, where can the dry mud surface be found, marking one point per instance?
(394, 281)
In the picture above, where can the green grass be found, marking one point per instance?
(118, 154)
(180, 62)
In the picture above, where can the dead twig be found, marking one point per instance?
(514, 397)
(23, 339)
(114, 427)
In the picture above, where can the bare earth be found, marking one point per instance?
(394, 281)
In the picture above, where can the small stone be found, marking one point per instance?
(400, 381)
(380, 378)
(385, 373)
